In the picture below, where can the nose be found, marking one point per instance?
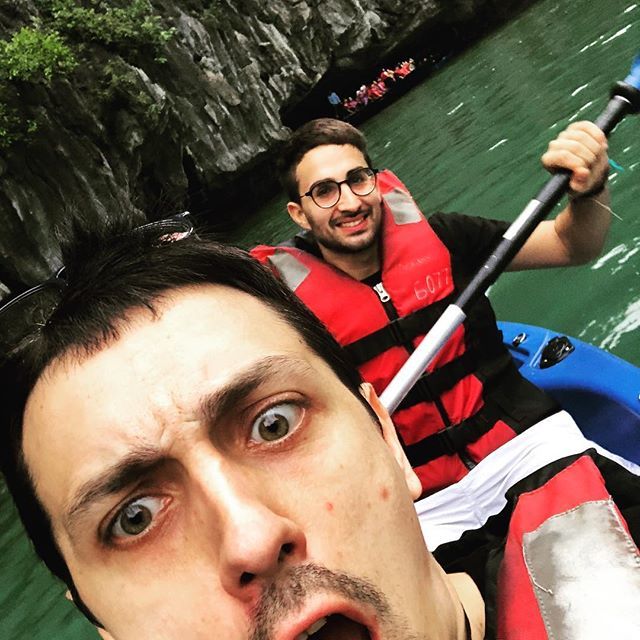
(258, 539)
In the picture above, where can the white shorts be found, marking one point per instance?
(468, 504)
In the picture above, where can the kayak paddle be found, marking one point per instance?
(625, 98)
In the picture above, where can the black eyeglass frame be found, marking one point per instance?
(181, 223)
(374, 175)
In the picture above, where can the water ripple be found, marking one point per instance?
(622, 250)
(498, 144)
(580, 110)
(619, 33)
(591, 44)
(630, 321)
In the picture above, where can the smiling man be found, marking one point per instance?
(190, 477)
(378, 275)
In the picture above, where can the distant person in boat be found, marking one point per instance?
(377, 90)
(350, 105)
(334, 101)
(388, 77)
(362, 96)
(378, 274)
(190, 451)
(404, 69)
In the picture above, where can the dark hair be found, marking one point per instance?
(309, 136)
(109, 275)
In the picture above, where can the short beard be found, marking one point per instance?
(328, 242)
(346, 249)
(292, 589)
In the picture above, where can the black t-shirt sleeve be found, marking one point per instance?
(469, 239)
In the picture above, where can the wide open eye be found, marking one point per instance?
(136, 517)
(276, 422)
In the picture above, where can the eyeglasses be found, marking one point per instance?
(21, 316)
(326, 194)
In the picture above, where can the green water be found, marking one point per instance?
(468, 139)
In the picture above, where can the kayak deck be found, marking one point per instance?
(600, 390)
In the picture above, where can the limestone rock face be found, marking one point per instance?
(123, 134)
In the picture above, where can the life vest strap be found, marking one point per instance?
(434, 384)
(399, 332)
(455, 438)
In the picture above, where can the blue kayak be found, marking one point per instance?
(600, 390)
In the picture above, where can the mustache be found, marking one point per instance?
(292, 589)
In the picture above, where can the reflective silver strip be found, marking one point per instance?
(585, 572)
(402, 207)
(291, 270)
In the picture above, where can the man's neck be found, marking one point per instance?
(359, 265)
(471, 601)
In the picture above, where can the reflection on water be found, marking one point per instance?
(624, 252)
(617, 327)
(614, 329)
(469, 139)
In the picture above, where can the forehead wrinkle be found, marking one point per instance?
(240, 385)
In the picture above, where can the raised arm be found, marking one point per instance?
(578, 233)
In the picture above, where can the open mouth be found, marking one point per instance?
(335, 627)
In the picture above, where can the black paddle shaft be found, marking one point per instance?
(625, 99)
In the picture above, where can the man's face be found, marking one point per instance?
(208, 476)
(353, 223)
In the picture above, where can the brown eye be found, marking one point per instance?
(358, 177)
(136, 517)
(362, 181)
(276, 422)
(324, 189)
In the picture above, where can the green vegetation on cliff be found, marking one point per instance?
(55, 43)
(128, 28)
(33, 55)
(30, 55)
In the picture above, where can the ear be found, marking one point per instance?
(297, 215)
(391, 438)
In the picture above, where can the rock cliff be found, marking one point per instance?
(127, 132)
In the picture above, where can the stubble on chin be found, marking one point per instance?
(348, 246)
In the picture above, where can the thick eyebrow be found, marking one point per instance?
(225, 398)
(144, 459)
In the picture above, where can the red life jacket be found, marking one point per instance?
(570, 567)
(380, 328)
